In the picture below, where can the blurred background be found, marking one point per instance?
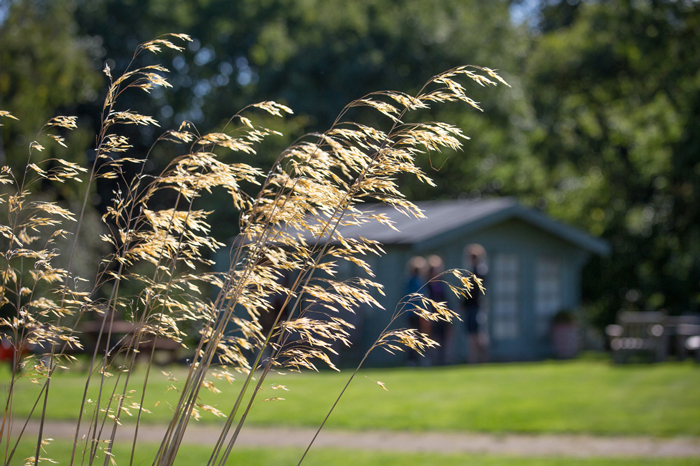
(596, 145)
(599, 130)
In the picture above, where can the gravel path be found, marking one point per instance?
(510, 444)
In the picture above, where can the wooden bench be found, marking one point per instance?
(650, 336)
(684, 332)
(123, 334)
(638, 335)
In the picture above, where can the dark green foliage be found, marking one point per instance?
(44, 69)
(617, 95)
(315, 56)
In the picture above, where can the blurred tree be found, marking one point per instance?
(616, 89)
(44, 71)
(316, 56)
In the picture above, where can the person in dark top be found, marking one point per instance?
(471, 305)
(440, 330)
(415, 284)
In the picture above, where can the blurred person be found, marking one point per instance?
(440, 331)
(473, 317)
(415, 284)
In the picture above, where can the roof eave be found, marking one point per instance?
(570, 234)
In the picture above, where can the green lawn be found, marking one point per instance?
(194, 455)
(573, 397)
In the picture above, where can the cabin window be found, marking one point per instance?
(506, 296)
(547, 292)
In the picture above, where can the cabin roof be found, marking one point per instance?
(445, 220)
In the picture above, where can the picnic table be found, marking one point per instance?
(653, 336)
(123, 333)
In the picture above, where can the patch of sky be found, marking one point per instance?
(202, 88)
(179, 63)
(194, 45)
(219, 80)
(4, 11)
(196, 115)
(526, 12)
(166, 111)
(204, 56)
(226, 68)
(246, 74)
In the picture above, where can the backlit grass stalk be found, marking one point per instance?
(330, 228)
(292, 227)
(392, 340)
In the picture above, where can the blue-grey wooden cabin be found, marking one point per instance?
(534, 268)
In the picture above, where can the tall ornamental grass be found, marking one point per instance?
(291, 227)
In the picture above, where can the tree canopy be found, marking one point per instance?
(616, 90)
(44, 69)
